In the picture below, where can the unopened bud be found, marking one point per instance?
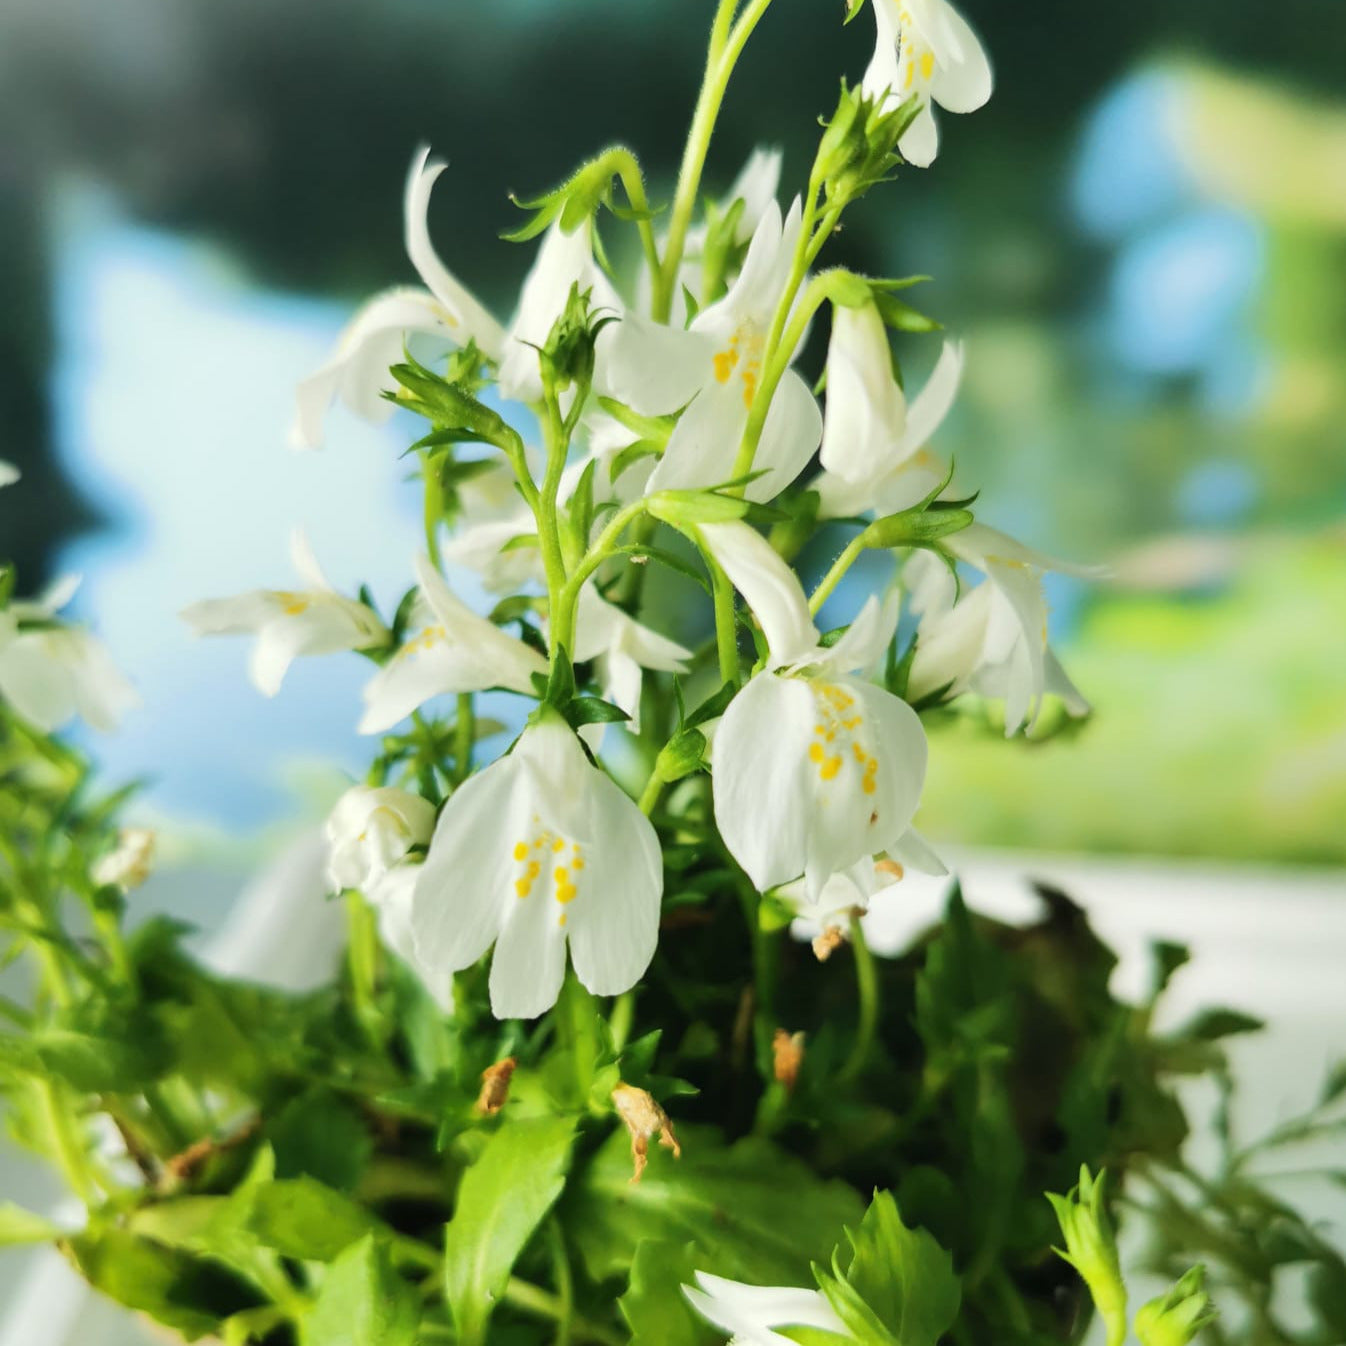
(495, 1086)
(645, 1120)
(1176, 1318)
(129, 865)
(681, 508)
(787, 1051)
(681, 755)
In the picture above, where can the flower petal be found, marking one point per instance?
(866, 411)
(529, 962)
(613, 923)
(933, 403)
(962, 81)
(463, 889)
(465, 317)
(790, 437)
(654, 369)
(358, 370)
(763, 798)
(920, 141)
(700, 451)
(902, 753)
(770, 587)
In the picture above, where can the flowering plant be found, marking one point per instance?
(637, 926)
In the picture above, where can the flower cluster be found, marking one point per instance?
(616, 422)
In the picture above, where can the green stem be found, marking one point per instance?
(840, 566)
(726, 46)
(362, 956)
(628, 169)
(565, 1281)
(529, 1298)
(787, 330)
(70, 1153)
(619, 1021)
(464, 736)
(726, 622)
(867, 987)
(549, 527)
(649, 797)
(433, 508)
(566, 605)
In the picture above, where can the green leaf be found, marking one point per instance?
(317, 1135)
(502, 1199)
(752, 1212)
(654, 1306)
(363, 1302)
(593, 710)
(301, 1218)
(185, 1293)
(1213, 1024)
(19, 1226)
(898, 1278)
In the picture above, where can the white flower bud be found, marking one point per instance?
(370, 830)
(129, 865)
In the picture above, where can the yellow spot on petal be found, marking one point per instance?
(520, 850)
(724, 364)
(927, 65)
(558, 845)
(830, 768)
(523, 887)
(578, 862)
(816, 752)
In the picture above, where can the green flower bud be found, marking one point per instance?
(915, 527)
(684, 508)
(1091, 1248)
(684, 753)
(1175, 1318)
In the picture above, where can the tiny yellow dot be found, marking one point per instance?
(816, 752)
(830, 768)
(523, 887)
(520, 850)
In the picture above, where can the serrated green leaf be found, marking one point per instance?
(654, 1306)
(901, 1276)
(502, 1199)
(363, 1302)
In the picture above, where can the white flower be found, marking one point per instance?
(290, 622)
(370, 830)
(493, 515)
(50, 673)
(993, 639)
(901, 473)
(925, 48)
(129, 865)
(866, 411)
(756, 186)
(455, 650)
(624, 648)
(751, 1313)
(851, 890)
(9, 474)
(563, 262)
(539, 849)
(714, 369)
(813, 769)
(375, 338)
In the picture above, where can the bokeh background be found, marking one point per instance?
(1143, 241)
